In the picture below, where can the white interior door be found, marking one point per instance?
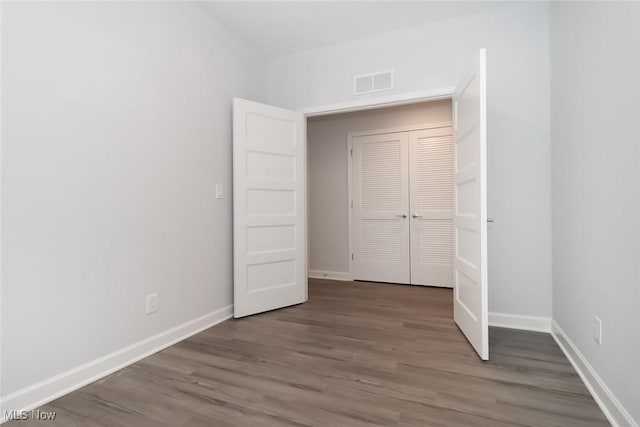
(470, 206)
(269, 229)
(380, 214)
(431, 201)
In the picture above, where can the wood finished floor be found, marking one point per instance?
(356, 354)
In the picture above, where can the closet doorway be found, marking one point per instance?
(380, 194)
(401, 205)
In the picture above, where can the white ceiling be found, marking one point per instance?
(282, 27)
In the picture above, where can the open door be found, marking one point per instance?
(470, 206)
(269, 216)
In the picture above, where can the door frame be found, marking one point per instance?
(350, 137)
(405, 98)
(379, 102)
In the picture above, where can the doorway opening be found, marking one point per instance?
(380, 194)
(270, 202)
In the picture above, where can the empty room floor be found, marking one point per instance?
(356, 354)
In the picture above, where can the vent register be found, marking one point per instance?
(376, 82)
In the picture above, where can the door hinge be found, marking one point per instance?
(352, 204)
(351, 151)
(352, 257)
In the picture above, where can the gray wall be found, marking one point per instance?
(433, 56)
(116, 128)
(328, 191)
(595, 128)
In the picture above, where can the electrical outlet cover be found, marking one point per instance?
(152, 303)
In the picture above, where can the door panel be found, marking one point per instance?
(269, 237)
(470, 206)
(380, 208)
(431, 196)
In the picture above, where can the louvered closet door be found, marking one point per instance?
(381, 207)
(431, 201)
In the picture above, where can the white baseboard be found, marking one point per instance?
(52, 388)
(611, 407)
(516, 321)
(330, 275)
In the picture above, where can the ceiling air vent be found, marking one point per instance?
(367, 83)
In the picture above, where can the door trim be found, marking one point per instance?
(379, 102)
(350, 137)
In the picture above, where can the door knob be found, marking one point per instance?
(415, 215)
(491, 219)
(402, 215)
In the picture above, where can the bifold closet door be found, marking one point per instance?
(431, 202)
(381, 208)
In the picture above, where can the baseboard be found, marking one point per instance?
(330, 275)
(516, 321)
(52, 388)
(609, 404)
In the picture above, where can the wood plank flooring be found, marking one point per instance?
(356, 354)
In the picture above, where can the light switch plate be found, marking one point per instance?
(597, 330)
(219, 191)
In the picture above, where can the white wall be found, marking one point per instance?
(328, 192)
(595, 124)
(116, 128)
(432, 56)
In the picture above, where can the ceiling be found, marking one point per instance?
(282, 27)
